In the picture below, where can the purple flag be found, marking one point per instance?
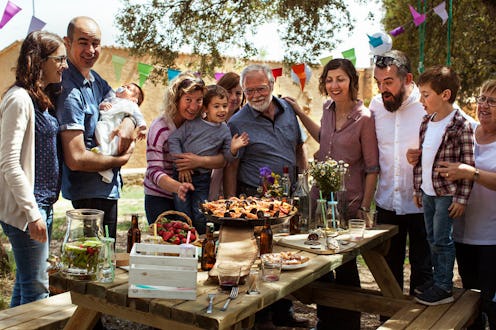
(36, 25)
(11, 9)
(417, 18)
(218, 75)
(396, 32)
(440, 10)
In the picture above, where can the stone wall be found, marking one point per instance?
(152, 105)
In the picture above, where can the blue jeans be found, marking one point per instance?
(201, 182)
(439, 229)
(31, 282)
(155, 205)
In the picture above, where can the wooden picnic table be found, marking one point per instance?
(93, 298)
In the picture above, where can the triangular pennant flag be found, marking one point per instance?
(171, 74)
(440, 10)
(350, 55)
(144, 71)
(299, 70)
(218, 75)
(396, 32)
(36, 25)
(11, 9)
(375, 41)
(325, 60)
(277, 72)
(118, 63)
(417, 18)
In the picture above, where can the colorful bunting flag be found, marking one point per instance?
(417, 18)
(171, 74)
(118, 63)
(440, 10)
(11, 9)
(325, 60)
(36, 25)
(218, 75)
(277, 72)
(350, 55)
(375, 41)
(397, 31)
(144, 71)
(299, 70)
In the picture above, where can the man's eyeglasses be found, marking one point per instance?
(186, 83)
(59, 59)
(259, 90)
(385, 61)
(488, 100)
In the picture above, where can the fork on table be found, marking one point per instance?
(233, 295)
(210, 307)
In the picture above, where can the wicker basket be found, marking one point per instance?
(178, 214)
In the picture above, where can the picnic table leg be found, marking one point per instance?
(382, 273)
(82, 318)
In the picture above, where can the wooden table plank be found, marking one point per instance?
(460, 312)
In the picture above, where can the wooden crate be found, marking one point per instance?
(157, 271)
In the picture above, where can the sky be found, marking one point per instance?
(57, 13)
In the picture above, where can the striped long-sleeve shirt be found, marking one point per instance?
(158, 159)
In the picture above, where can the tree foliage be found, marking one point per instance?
(473, 55)
(208, 28)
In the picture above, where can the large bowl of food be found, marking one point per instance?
(248, 211)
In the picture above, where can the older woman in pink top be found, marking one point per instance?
(347, 132)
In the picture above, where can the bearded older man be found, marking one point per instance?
(275, 141)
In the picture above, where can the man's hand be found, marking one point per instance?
(412, 156)
(418, 201)
(38, 230)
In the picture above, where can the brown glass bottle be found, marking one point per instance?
(294, 222)
(208, 249)
(134, 233)
(266, 238)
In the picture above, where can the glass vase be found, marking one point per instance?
(321, 213)
(82, 244)
(106, 264)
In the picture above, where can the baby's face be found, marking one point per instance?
(129, 92)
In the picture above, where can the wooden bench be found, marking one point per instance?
(50, 313)
(456, 315)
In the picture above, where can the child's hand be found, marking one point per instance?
(239, 141)
(141, 134)
(185, 176)
(456, 210)
(105, 106)
(418, 201)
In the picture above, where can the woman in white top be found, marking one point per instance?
(475, 233)
(29, 162)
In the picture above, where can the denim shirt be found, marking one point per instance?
(77, 109)
(272, 144)
(47, 158)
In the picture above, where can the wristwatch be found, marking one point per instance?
(476, 174)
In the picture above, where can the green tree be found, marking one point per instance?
(160, 28)
(473, 55)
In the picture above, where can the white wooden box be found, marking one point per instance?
(157, 271)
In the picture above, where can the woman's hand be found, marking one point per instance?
(183, 190)
(187, 161)
(455, 171)
(38, 230)
(417, 200)
(294, 104)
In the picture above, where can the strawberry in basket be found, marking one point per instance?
(174, 231)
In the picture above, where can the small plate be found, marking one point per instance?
(295, 266)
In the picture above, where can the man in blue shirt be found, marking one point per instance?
(77, 111)
(275, 141)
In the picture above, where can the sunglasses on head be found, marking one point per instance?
(188, 82)
(385, 61)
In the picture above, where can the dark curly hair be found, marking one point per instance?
(35, 50)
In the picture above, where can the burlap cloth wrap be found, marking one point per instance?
(237, 245)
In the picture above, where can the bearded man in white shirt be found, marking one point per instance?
(398, 114)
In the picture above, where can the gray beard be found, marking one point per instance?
(264, 106)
